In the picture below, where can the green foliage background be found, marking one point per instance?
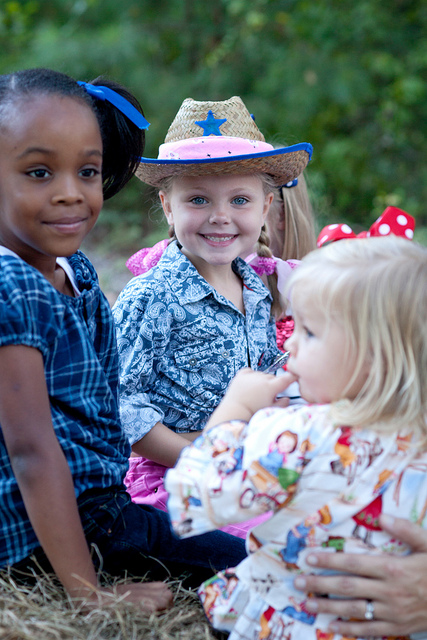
(349, 77)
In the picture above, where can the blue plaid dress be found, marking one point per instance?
(77, 340)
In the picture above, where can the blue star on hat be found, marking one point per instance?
(211, 125)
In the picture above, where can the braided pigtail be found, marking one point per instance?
(278, 307)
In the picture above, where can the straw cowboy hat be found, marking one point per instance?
(214, 138)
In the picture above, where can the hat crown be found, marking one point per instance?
(236, 120)
(220, 137)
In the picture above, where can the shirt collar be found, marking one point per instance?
(196, 288)
(63, 262)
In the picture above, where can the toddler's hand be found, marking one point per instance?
(250, 391)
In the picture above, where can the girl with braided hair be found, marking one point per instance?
(186, 326)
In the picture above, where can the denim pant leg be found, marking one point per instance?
(138, 539)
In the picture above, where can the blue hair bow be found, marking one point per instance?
(104, 93)
(289, 185)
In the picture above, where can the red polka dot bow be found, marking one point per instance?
(391, 221)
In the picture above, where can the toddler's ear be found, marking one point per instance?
(166, 206)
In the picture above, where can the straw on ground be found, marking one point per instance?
(43, 612)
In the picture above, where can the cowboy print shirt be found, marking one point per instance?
(180, 343)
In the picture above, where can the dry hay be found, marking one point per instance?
(43, 612)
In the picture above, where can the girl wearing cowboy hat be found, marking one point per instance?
(291, 231)
(188, 325)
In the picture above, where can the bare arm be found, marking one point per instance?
(397, 586)
(162, 445)
(44, 477)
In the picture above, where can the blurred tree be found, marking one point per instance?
(348, 77)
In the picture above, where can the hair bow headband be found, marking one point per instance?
(392, 221)
(104, 93)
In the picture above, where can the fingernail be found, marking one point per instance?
(312, 606)
(311, 559)
(300, 582)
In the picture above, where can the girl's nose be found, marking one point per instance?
(67, 191)
(290, 344)
(220, 215)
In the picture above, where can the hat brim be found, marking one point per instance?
(283, 164)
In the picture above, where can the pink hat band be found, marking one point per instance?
(213, 147)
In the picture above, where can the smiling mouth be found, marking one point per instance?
(69, 225)
(219, 238)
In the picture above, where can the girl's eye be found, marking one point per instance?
(240, 200)
(308, 333)
(38, 173)
(198, 200)
(90, 172)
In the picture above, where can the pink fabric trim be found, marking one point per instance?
(268, 266)
(262, 266)
(204, 147)
(147, 258)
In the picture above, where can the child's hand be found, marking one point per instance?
(250, 391)
(254, 390)
(147, 596)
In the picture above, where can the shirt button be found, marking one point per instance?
(192, 362)
(155, 490)
(225, 354)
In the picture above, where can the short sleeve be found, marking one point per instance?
(28, 312)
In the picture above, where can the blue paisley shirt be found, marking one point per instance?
(76, 338)
(180, 343)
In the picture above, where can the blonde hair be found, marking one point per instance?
(376, 289)
(290, 222)
(262, 249)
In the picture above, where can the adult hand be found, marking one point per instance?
(397, 586)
